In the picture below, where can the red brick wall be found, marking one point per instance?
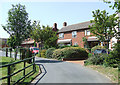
(78, 39)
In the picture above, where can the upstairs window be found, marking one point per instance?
(87, 32)
(74, 34)
(61, 35)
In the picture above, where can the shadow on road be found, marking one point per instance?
(43, 72)
(48, 61)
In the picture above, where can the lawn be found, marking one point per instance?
(7, 60)
(110, 72)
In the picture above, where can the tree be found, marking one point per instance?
(18, 25)
(49, 37)
(45, 35)
(104, 26)
(115, 6)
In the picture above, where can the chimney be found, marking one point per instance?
(55, 27)
(64, 24)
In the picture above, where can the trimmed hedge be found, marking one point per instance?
(70, 52)
(49, 52)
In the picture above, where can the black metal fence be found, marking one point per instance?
(9, 74)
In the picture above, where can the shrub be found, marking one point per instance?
(49, 52)
(42, 53)
(97, 47)
(96, 59)
(58, 54)
(70, 52)
(113, 60)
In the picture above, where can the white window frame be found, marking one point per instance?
(61, 35)
(75, 43)
(87, 32)
(74, 34)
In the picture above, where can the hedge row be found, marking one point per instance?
(68, 52)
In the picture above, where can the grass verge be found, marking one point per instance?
(7, 60)
(110, 72)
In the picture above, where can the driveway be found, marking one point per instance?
(54, 71)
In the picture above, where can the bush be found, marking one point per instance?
(42, 53)
(114, 57)
(96, 59)
(97, 47)
(49, 52)
(58, 54)
(70, 52)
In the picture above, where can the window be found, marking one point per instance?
(75, 44)
(61, 35)
(74, 34)
(87, 32)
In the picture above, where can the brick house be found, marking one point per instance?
(73, 35)
(3, 42)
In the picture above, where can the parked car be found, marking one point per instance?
(34, 50)
(99, 51)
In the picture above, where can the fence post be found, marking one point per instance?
(34, 67)
(8, 81)
(6, 52)
(24, 70)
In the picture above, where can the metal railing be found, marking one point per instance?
(9, 74)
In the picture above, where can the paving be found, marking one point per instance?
(54, 71)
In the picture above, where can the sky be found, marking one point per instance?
(50, 12)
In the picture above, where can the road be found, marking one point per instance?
(54, 71)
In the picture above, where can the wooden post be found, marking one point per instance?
(6, 52)
(24, 70)
(34, 67)
(8, 81)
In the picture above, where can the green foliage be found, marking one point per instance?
(46, 36)
(70, 52)
(49, 52)
(114, 57)
(58, 54)
(90, 55)
(104, 25)
(97, 47)
(42, 53)
(96, 59)
(18, 25)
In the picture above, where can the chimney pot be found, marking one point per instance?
(65, 24)
(55, 25)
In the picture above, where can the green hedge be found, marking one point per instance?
(70, 52)
(49, 52)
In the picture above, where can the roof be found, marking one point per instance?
(79, 26)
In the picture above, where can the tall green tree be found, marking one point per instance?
(18, 26)
(104, 26)
(49, 37)
(115, 6)
(45, 35)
